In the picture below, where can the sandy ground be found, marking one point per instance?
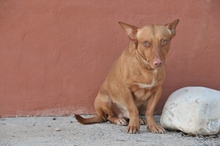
(65, 131)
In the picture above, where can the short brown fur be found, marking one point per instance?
(134, 83)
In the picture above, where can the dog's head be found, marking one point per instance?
(152, 41)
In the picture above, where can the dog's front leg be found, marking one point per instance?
(134, 124)
(151, 105)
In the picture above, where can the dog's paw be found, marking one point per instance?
(133, 129)
(142, 121)
(121, 122)
(156, 129)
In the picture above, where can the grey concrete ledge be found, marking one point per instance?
(66, 131)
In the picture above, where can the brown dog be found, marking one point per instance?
(134, 83)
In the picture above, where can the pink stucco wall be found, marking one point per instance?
(55, 54)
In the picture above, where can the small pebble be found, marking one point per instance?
(57, 129)
(54, 118)
(48, 125)
(71, 121)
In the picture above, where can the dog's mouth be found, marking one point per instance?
(151, 67)
(146, 62)
(154, 67)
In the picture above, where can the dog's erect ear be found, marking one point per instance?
(172, 27)
(130, 30)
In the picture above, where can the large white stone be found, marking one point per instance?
(194, 110)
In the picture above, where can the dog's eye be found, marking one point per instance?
(145, 43)
(164, 42)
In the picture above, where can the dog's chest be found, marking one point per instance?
(147, 86)
(143, 90)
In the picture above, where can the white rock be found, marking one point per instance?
(194, 110)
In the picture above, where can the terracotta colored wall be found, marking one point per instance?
(55, 54)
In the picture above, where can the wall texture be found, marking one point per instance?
(55, 54)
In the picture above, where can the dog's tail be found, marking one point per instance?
(92, 120)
